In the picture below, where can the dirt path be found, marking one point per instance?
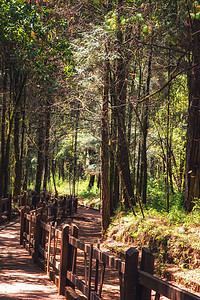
(19, 277)
(89, 223)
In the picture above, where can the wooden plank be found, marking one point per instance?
(55, 240)
(45, 226)
(77, 282)
(74, 250)
(27, 216)
(109, 260)
(58, 233)
(37, 234)
(55, 263)
(97, 271)
(79, 244)
(63, 259)
(49, 250)
(131, 275)
(164, 288)
(147, 265)
(90, 272)
(102, 278)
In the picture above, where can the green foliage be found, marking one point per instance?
(86, 193)
(30, 32)
(157, 196)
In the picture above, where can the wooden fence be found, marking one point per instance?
(57, 207)
(56, 250)
(10, 204)
(5, 207)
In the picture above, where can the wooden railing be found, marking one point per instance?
(58, 252)
(10, 204)
(5, 207)
(57, 206)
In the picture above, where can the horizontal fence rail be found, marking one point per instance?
(58, 207)
(59, 251)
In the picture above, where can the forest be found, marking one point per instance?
(104, 91)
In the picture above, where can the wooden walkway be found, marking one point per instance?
(19, 277)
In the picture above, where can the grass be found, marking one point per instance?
(89, 197)
(173, 238)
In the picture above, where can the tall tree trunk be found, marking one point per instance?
(105, 185)
(167, 139)
(192, 176)
(47, 143)
(75, 152)
(19, 81)
(17, 183)
(145, 132)
(121, 91)
(114, 171)
(40, 155)
(3, 128)
(22, 133)
(53, 176)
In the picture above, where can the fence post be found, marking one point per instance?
(131, 275)
(90, 272)
(63, 259)
(37, 234)
(147, 265)
(49, 250)
(74, 249)
(22, 224)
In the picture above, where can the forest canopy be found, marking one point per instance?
(102, 87)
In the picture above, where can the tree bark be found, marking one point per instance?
(192, 178)
(40, 154)
(105, 184)
(121, 93)
(47, 142)
(17, 183)
(114, 171)
(3, 127)
(145, 132)
(75, 151)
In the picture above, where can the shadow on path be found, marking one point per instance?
(19, 277)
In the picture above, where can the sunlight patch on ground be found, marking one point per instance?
(12, 288)
(8, 235)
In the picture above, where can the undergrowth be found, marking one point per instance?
(173, 238)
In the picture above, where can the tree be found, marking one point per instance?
(192, 182)
(31, 50)
(105, 183)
